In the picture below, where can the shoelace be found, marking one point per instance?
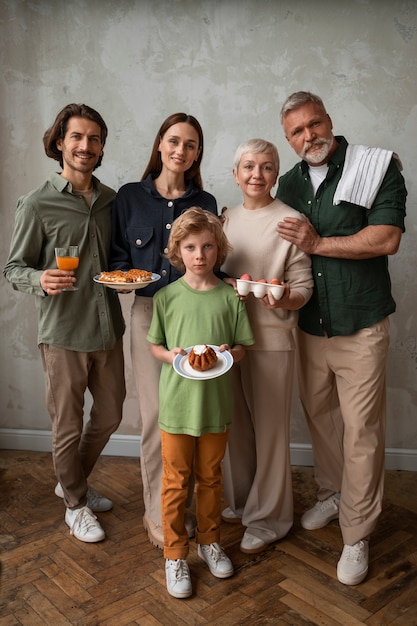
(84, 522)
(355, 553)
(180, 569)
(323, 505)
(214, 552)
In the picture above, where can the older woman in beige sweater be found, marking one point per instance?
(257, 470)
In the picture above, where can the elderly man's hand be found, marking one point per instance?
(300, 232)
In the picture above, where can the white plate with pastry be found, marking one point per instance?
(183, 367)
(128, 280)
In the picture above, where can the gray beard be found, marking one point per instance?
(317, 157)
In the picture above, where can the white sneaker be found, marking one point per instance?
(323, 512)
(353, 564)
(178, 578)
(229, 516)
(84, 525)
(251, 544)
(95, 501)
(218, 563)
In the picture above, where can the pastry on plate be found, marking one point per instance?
(202, 357)
(129, 276)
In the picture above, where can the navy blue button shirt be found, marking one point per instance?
(141, 225)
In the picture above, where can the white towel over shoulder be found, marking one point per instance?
(362, 175)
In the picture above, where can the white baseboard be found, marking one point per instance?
(41, 441)
(129, 445)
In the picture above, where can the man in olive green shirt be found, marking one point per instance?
(80, 332)
(353, 219)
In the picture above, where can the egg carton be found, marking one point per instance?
(259, 290)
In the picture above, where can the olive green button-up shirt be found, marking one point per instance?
(86, 320)
(348, 294)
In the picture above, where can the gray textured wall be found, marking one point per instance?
(230, 63)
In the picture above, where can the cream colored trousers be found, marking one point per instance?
(257, 468)
(343, 392)
(147, 371)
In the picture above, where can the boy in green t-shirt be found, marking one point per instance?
(195, 413)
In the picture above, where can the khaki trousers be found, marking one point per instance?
(180, 455)
(343, 392)
(257, 467)
(147, 370)
(75, 446)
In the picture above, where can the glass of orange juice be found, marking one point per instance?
(67, 258)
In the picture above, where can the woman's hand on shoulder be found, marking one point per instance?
(230, 281)
(222, 214)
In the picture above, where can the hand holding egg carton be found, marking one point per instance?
(260, 287)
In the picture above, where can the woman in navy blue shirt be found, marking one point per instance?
(142, 216)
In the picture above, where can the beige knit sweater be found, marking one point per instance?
(259, 251)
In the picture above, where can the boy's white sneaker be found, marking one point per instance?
(218, 563)
(178, 578)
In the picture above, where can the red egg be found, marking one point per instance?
(275, 281)
(246, 277)
(261, 280)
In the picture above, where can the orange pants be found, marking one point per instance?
(180, 455)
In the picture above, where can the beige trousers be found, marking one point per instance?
(75, 446)
(147, 371)
(257, 468)
(342, 389)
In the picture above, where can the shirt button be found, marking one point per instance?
(138, 242)
(170, 203)
(309, 202)
(168, 226)
(165, 250)
(318, 273)
(164, 272)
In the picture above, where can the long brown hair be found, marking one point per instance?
(155, 162)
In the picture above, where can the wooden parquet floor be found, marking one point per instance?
(49, 578)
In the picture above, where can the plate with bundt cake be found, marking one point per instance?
(202, 362)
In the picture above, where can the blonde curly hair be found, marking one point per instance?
(195, 220)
